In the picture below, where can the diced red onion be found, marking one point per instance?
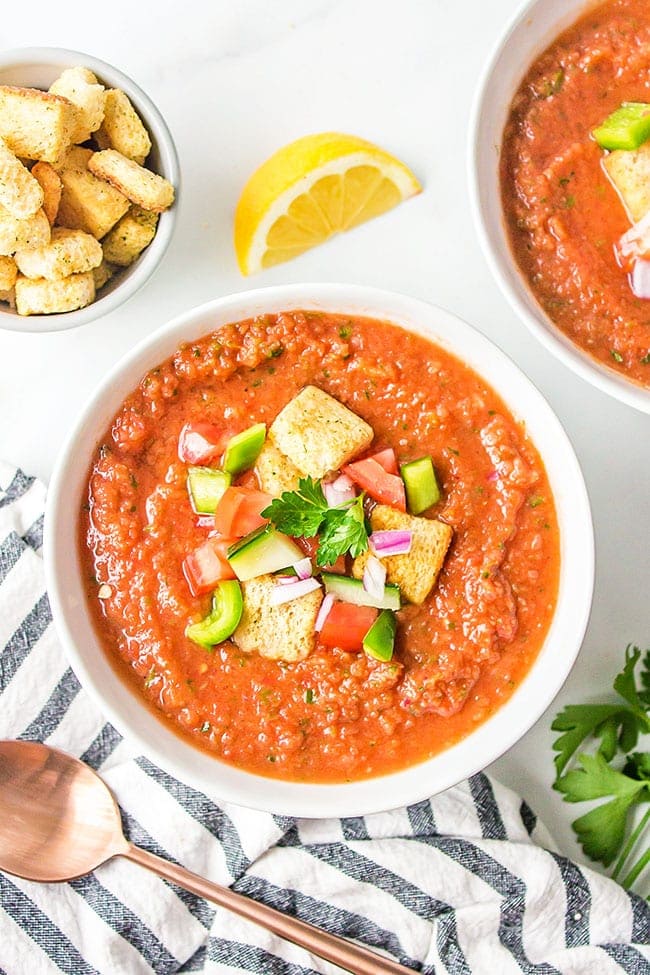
(635, 242)
(374, 577)
(303, 568)
(339, 491)
(640, 279)
(287, 592)
(323, 612)
(493, 476)
(205, 521)
(390, 542)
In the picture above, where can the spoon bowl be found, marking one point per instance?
(59, 821)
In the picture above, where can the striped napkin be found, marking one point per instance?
(468, 882)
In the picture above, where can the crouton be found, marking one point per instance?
(318, 434)
(122, 128)
(16, 234)
(102, 274)
(8, 297)
(38, 296)
(140, 185)
(36, 124)
(275, 472)
(80, 86)
(284, 632)
(417, 572)
(87, 203)
(130, 235)
(20, 193)
(8, 273)
(68, 252)
(630, 174)
(50, 182)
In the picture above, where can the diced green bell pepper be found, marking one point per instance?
(242, 450)
(206, 488)
(626, 128)
(380, 638)
(223, 619)
(421, 485)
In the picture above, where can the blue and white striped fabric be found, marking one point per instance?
(465, 883)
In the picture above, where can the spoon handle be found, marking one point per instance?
(339, 951)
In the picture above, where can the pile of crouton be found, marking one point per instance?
(76, 201)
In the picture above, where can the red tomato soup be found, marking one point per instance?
(565, 213)
(338, 714)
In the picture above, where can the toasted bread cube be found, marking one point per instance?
(8, 296)
(8, 273)
(68, 252)
(130, 236)
(140, 185)
(284, 632)
(80, 86)
(417, 572)
(16, 234)
(20, 193)
(122, 128)
(39, 296)
(103, 274)
(50, 182)
(630, 174)
(275, 472)
(36, 124)
(87, 203)
(318, 434)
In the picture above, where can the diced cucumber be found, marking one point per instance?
(380, 638)
(264, 550)
(242, 450)
(421, 485)
(206, 488)
(626, 128)
(223, 619)
(352, 591)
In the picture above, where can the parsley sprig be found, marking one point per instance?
(305, 513)
(624, 782)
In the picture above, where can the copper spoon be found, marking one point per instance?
(59, 821)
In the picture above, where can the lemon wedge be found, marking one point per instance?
(309, 190)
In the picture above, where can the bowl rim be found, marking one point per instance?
(169, 166)
(538, 323)
(498, 732)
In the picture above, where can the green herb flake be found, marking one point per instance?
(309, 696)
(345, 331)
(205, 727)
(151, 677)
(645, 360)
(616, 356)
(536, 501)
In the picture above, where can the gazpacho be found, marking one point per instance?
(575, 178)
(319, 546)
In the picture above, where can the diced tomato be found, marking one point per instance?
(346, 625)
(386, 458)
(238, 512)
(380, 485)
(200, 443)
(207, 565)
(310, 548)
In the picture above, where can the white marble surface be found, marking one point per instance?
(234, 82)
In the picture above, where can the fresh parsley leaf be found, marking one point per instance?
(344, 531)
(602, 830)
(299, 513)
(638, 766)
(609, 722)
(616, 725)
(305, 512)
(644, 693)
